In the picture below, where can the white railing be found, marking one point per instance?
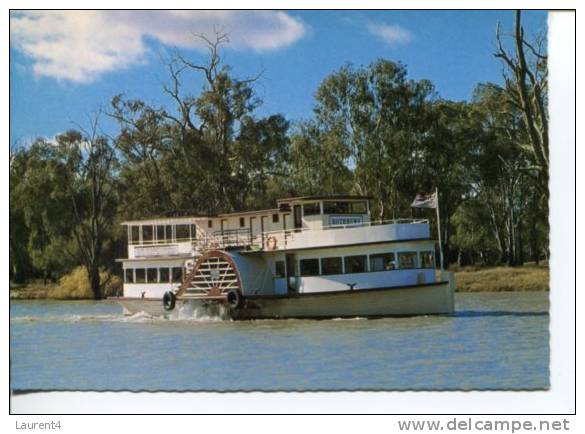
(231, 238)
(354, 233)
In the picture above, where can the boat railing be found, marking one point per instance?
(279, 239)
(229, 238)
(284, 237)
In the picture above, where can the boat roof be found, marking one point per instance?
(325, 197)
(196, 218)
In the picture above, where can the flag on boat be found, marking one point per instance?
(425, 201)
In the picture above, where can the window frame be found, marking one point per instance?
(277, 265)
(187, 226)
(149, 271)
(145, 227)
(340, 258)
(347, 258)
(311, 205)
(131, 272)
(180, 278)
(160, 277)
(312, 260)
(432, 259)
(383, 256)
(138, 271)
(138, 234)
(408, 252)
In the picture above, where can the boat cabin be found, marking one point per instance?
(305, 244)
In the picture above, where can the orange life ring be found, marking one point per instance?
(271, 243)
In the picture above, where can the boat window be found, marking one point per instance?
(135, 237)
(355, 264)
(209, 223)
(242, 222)
(274, 218)
(311, 209)
(140, 275)
(151, 275)
(177, 274)
(182, 232)
(309, 267)
(382, 262)
(427, 259)
(163, 274)
(147, 233)
(129, 275)
(407, 260)
(160, 234)
(345, 207)
(279, 269)
(331, 266)
(359, 207)
(193, 232)
(336, 207)
(169, 233)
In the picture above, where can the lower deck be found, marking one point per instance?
(280, 273)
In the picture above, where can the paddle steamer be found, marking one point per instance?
(310, 257)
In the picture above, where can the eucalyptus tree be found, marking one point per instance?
(379, 119)
(526, 78)
(88, 165)
(40, 215)
(63, 202)
(209, 151)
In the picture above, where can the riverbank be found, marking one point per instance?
(33, 291)
(502, 279)
(72, 286)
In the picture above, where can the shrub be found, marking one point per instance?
(75, 285)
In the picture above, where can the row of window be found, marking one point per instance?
(359, 263)
(161, 233)
(314, 208)
(172, 233)
(153, 275)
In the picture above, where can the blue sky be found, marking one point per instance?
(64, 65)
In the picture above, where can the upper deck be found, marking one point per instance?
(297, 223)
(329, 236)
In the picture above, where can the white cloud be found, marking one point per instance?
(80, 46)
(391, 34)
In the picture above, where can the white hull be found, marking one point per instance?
(435, 298)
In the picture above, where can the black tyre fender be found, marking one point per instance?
(234, 299)
(169, 300)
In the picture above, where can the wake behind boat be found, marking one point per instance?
(311, 257)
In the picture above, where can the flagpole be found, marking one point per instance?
(439, 227)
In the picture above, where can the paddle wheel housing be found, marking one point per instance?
(213, 275)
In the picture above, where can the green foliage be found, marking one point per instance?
(373, 132)
(76, 285)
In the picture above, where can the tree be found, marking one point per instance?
(210, 152)
(526, 88)
(378, 118)
(88, 165)
(40, 218)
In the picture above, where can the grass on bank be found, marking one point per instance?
(497, 279)
(72, 286)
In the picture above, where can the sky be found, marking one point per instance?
(67, 65)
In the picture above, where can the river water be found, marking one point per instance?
(494, 341)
